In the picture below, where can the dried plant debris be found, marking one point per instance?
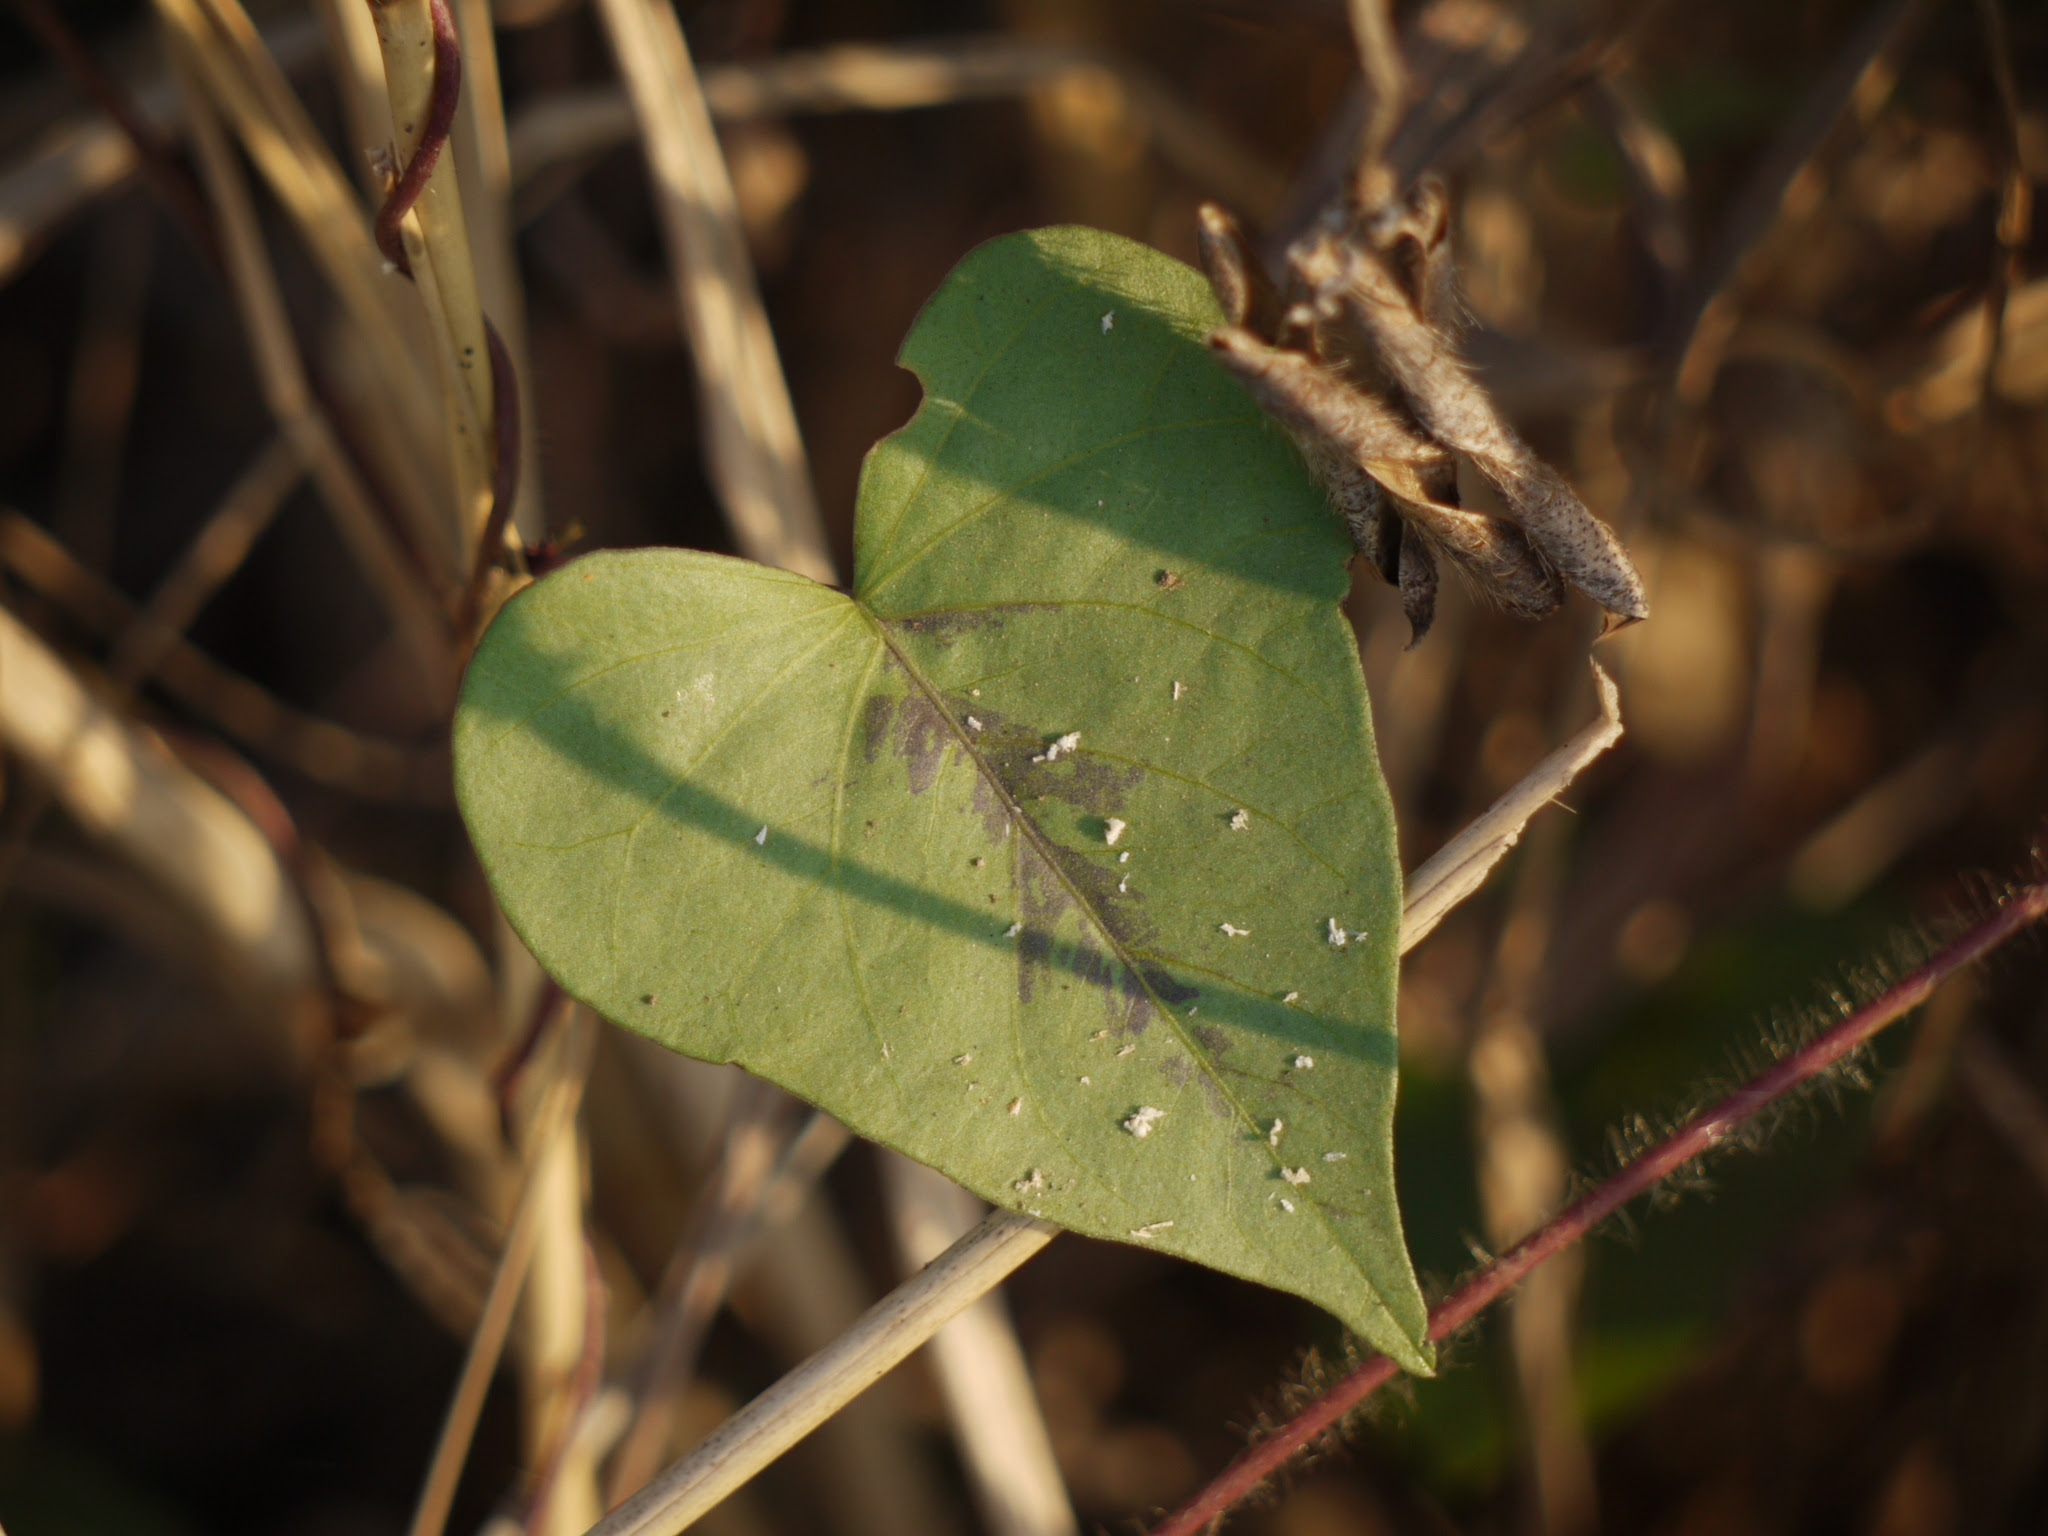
(1358, 361)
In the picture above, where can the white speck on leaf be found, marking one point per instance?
(1239, 820)
(974, 693)
(1013, 930)
(1290, 997)
(1150, 1229)
(1124, 1050)
(1124, 857)
(1140, 1124)
(1338, 937)
(1335, 1157)
(1016, 1106)
(963, 1058)
(1273, 1135)
(1109, 322)
(1304, 1062)
(978, 863)
(1178, 690)
(1087, 1082)
(1112, 830)
(1100, 1034)
(1031, 1184)
(1232, 931)
(761, 838)
(1296, 1176)
(1124, 885)
(1287, 1206)
(1064, 744)
(973, 724)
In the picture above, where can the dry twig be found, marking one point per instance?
(755, 456)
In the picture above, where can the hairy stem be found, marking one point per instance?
(1699, 1136)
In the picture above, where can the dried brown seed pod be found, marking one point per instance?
(1356, 359)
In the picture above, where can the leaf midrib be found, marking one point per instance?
(1028, 828)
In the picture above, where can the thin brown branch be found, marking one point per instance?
(1697, 1138)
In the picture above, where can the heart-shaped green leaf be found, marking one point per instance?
(1056, 856)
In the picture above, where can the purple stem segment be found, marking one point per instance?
(406, 190)
(1700, 1135)
(412, 180)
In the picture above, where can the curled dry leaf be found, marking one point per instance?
(1358, 361)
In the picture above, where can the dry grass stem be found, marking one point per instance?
(753, 452)
(808, 1395)
(225, 55)
(553, 1123)
(1524, 1173)
(483, 151)
(1461, 866)
(1784, 182)
(281, 373)
(201, 851)
(436, 235)
(696, 1277)
(991, 1403)
(320, 749)
(78, 159)
(1862, 840)
(856, 77)
(212, 557)
(1962, 363)
(1655, 168)
(357, 66)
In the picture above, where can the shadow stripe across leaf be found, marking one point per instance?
(1028, 858)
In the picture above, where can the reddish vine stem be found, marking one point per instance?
(406, 189)
(411, 180)
(1699, 1136)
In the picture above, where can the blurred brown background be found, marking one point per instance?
(1735, 268)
